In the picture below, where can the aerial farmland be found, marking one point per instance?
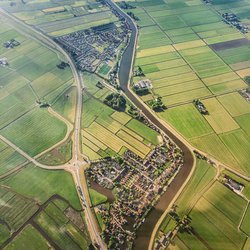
(124, 124)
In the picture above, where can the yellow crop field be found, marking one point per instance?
(189, 45)
(235, 104)
(121, 117)
(112, 141)
(218, 117)
(132, 133)
(90, 153)
(90, 144)
(133, 142)
(175, 79)
(91, 138)
(220, 78)
(54, 9)
(155, 51)
(243, 72)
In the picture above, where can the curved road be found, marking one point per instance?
(77, 160)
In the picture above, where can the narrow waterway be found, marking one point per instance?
(145, 231)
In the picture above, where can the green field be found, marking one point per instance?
(35, 131)
(187, 120)
(28, 238)
(238, 144)
(191, 62)
(96, 198)
(41, 184)
(215, 205)
(15, 209)
(108, 132)
(246, 222)
(202, 177)
(9, 159)
(62, 227)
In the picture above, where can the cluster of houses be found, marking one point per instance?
(138, 183)
(11, 44)
(232, 19)
(163, 241)
(92, 47)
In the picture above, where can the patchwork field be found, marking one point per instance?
(188, 53)
(217, 204)
(58, 18)
(31, 77)
(108, 132)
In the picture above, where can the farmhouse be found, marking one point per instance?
(143, 84)
(11, 44)
(3, 61)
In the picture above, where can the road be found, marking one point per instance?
(77, 160)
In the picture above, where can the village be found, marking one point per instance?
(137, 185)
(96, 47)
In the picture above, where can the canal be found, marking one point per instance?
(126, 64)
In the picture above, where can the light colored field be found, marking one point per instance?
(91, 138)
(89, 144)
(182, 78)
(155, 51)
(227, 86)
(240, 65)
(213, 146)
(238, 144)
(220, 78)
(109, 139)
(157, 58)
(133, 142)
(187, 96)
(132, 133)
(110, 124)
(121, 117)
(54, 9)
(178, 88)
(235, 104)
(218, 117)
(169, 72)
(243, 72)
(224, 38)
(189, 45)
